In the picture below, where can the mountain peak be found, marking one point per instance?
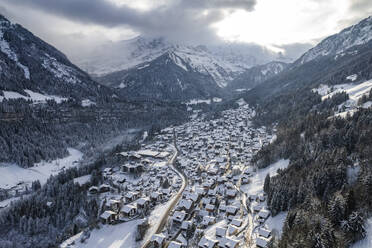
(357, 34)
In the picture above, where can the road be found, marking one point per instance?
(166, 214)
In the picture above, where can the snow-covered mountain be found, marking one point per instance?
(337, 44)
(256, 75)
(34, 70)
(220, 63)
(171, 76)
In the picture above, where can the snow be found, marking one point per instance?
(87, 103)
(352, 77)
(277, 222)
(32, 96)
(366, 242)
(367, 104)
(60, 70)
(82, 180)
(5, 48)
(13, 174)
(112, 236)
(257, 181)
(355, 92)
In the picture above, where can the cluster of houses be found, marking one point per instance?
(215, 158)
(141, 182)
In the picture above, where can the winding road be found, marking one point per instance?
(164, 218)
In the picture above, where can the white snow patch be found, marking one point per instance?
(112, 236)
(217, 99)
(33, 96)
(276, 223)
(87, 103)
(13, 174)
(257, 181)
(367, 104)
(352, 77)
(60, 70)
(82, 180)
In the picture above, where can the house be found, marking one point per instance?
(156, 197)
(220, 232)
(264, 232)
(131, 196)
(114, 204)
(104, 188)
(158, 241)
(108, 217)
(257, 208)
(236, 222)
(178, 217)
(132, 168)
(262, 242)
(93, 190)
(226, 242)
(208, 220)
(143, 203)
(207, 243)
(263, 215)
(128, 210)
(231, 193)
(231, 210)
(185, 205)
(186, 225)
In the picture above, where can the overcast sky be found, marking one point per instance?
(75, 26)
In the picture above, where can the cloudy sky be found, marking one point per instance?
(291, 26)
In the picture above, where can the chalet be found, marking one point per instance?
(210, 207)
(104, 188)
(132, 168)
(226, 242)
(207, 243)
(264, 233)
(186, 225)
(143, 203)
(107, 171)
(158, 241)
(231, 193)
(262, 242)
(237, 222)
(114, 204)
(221, 232)
(108, 217)
(263, 215)
(231, 210)
(93, 190)
(128, 210)
(156, 197)
(257, 208)
(131, 196)
(185, 205)
(208, 220)
(178, 217)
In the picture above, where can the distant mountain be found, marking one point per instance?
(256, 75)
(168, 77)
(337, 44)
(120, 66)
(32, 68)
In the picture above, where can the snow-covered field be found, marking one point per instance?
(12, 174)
(33, 96)
(207, 101)
(109, 236)
(367, 241)
(257, 181)
(276, 223)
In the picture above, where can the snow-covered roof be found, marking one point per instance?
(262, 242)
(207, 242)
(264, 232)
(174, 244)
(179, 215)
(158, 238)
(226, 242)
(105, 215)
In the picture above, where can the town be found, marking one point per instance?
(193, 186)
